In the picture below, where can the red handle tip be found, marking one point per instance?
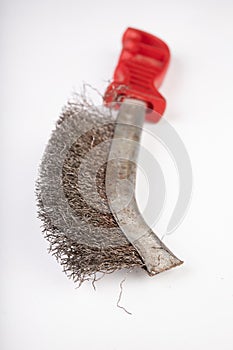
(140, 70)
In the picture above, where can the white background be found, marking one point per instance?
(48, 49)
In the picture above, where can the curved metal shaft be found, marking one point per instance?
(120, 189)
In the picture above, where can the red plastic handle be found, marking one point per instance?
(140, 70)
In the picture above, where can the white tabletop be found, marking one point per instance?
(49, 48)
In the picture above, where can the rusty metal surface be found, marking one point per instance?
(120, 189)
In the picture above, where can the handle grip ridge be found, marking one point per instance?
(142, 65)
